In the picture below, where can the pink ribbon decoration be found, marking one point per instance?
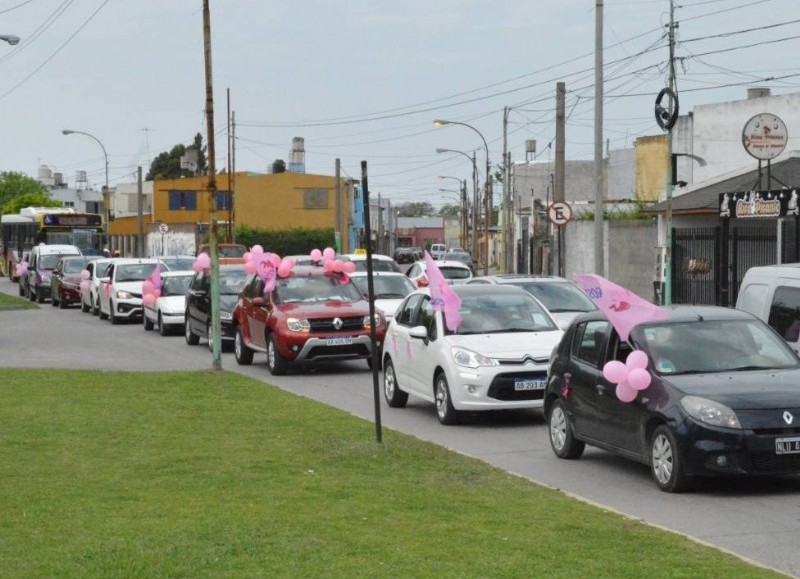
(443, 298)
(265, 269)
(623, 308)
(155, 277)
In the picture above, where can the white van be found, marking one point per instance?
(438, 250)
(772, 293)
(42, 262)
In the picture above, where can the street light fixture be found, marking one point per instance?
(106, 192)
(463, 209)
(488, 199)
(10, 38)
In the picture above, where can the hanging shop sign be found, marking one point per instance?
(757, 204)
(764, 136)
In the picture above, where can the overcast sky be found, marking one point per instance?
(364, 79)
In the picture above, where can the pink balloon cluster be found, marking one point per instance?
(150, 293)
(85, 281)
(630, 377)
(21, 268)
(332, 265)
(202, 263)
(268, 266)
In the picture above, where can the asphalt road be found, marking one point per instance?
(756, 519)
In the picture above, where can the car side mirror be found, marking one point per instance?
(419, 332)
(105, 279)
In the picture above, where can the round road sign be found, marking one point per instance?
(559, 213)
(163, 227)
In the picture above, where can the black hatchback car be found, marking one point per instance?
(724, 396)
(198, 304)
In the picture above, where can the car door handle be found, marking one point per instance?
(600, 388)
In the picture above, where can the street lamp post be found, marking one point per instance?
(462, 204)
(106, 192)
(475, 205)
(488, 200)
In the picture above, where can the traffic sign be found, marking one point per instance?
(163, 227)
(559, 213)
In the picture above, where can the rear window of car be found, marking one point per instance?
(455, 272)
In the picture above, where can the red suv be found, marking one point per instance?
(310, 316)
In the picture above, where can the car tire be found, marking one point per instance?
(53, 301)
(162, 329)
(21, 291)
(562, 437)
(96, 307)
(62, 305)
(39, 297)
(243, 354)
(84, 307)
(112, 315)
(148, 323)
(276, 363)
(445, 411)
(395, 397)
(666, 462)
(100, 314)
(191, 338)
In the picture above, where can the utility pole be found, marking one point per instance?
(216, 358)
(558, 185)
(233, 176)
(505, 234)
(670, 160)
(337, 207)
(139, 214)
(229, 229)
(464, 214)
(475, 207)
(599, 253)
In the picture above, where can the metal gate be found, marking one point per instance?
(708, 263)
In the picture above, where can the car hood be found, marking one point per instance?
(325, 309)
(388, 307)
(511, 346)
(129, 286)
(171, 304)
(744, 390)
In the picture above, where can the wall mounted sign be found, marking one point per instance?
(757, 204)
(764, 136)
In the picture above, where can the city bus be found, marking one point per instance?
(51, 225)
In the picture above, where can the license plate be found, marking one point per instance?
(339, 341)
(530, 384)
(787, 445)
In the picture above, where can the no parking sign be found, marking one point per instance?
(559, 213)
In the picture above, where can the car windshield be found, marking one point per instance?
(377, 265)
(74, 265)
(134, 271)
(49, 261)
(231, 281)
(450, 272)
(175, 285)
(177, 263)
(459, 256)
(315, 288)
(703, 346)
(501, 313)
(231, 251)
(386, 287)
(559, 296)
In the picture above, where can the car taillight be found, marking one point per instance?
(422, 282)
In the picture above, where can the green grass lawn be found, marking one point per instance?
(204, 474)
(8, 302)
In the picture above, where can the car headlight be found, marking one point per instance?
(378, 321)
(470, 359)
(710, 412)
(298, 325)
(45, 279)
(225, 316)
(123, 295)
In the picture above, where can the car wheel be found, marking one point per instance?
(275, 362)
(445, 411)
(53, 301)
(84, 307)
(100, 313)
(96, 307)
(562, 437)
(243, 354)
(148, 323)
(162, 329)
(21, 291)
(395, 397)
(209, 337)
(62, 305)
(39, 297)
(191, 338)
(112, 315)
(666, 462)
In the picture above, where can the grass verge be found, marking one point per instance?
(208, 474)
(8, 302)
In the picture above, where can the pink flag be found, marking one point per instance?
(443, 298)
(155, 277)
(623, 308)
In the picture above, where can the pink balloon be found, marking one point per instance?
(327, 265)
(85, 274)
(316, 254)
(250, 268)
(329, 253)
(636, 359)
(337, 265)
(626, 393)
(284, 270)
(615, 371)
(203, 261)
(639, 378)
(156, 293)
(349, 267)
(257, 250)
(195, 267)
(85, 285)
(148, 300)
(275, 259)
(287, 262)
(246, 256)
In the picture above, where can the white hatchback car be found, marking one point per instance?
(90, 292)
(454, 272)
(167, 313)
(497, 359)
(389, 287)
(121, 288)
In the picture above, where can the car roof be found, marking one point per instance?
(363, 256)
(449, 263)
(177, 273)
(378, 274)
(681, 313)
(517, 278)
(128, 260)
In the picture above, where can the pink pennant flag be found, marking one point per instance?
(443, 298)
(155, 276)
(623, 308)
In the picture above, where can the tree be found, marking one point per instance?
(167, 165)
(29, 200)
(450, 210)
(415, 209)
(13, 185)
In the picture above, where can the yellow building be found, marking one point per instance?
(276, 201)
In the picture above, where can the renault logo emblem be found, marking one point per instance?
(787, 417)
(337, 324)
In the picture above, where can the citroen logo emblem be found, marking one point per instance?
(337, 324)
(787, 417)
